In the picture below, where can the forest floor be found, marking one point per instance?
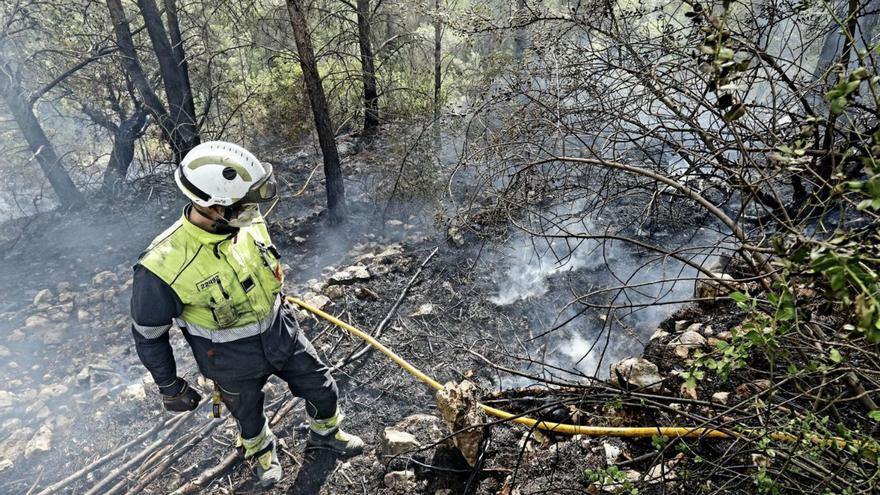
(74, 388)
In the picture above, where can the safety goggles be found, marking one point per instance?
(264, 190)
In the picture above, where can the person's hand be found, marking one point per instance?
(187, 400)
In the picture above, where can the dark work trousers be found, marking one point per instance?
(241, 368)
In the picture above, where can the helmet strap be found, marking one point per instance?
(220, 224)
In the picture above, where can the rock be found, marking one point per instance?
(425, 426)
(41, 441)
(708, 331)
(403, 481)
(760, 460)
(721, 397)
(612, 453)
(36, 321)
(397, 442)
(659, 334)
(638, 373)
(683, 343)
(424, 310)
(299, 240)
(694, 327)
(66, 296)
(341, 277)
(83, 316)
(333, 292)
(54, 336)
(16, 335)
(61, 312)
(43, 297)
(454, 236)
(5, 464)
(689, 338)
(713, 342)
(317, 300)
(460, 409)
(7, 399)
(710, 288)
(394, 223)
(84, 375)
(53, 391)
(104, 277)
(725, 336)
(360, 272)
(680, 325)
(15, 442)
(4, 352)
(133, 392)
(63, 287)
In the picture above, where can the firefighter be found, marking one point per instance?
(216, 275)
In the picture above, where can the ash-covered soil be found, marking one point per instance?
(74, 389)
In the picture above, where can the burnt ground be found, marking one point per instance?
(74, 388)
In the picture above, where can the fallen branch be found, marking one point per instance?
(103, 460)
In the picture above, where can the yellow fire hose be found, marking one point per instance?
(569, 429)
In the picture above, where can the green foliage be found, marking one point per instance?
(842, 93)
(848, 266)
(612, 479)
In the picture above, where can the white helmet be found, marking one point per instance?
(221, 173)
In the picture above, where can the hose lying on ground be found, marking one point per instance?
(570, 429)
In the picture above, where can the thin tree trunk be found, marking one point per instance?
(368, 71)
(437, 71)
(326, 138)
(23, 113)
(179, 95)
(136, 73)
(519, 34)
(123, 150)
(179, 53)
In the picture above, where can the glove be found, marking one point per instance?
(187, 400)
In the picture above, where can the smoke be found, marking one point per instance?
(541, 277)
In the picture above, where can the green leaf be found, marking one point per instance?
(725, 54)
(739, 297)
(838, 105)
(835, 356)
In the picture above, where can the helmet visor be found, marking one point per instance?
(266, 189)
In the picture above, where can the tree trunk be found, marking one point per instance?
(368, 71)
(326, 138)
(135, 72)
(437, 72)
(123, 150)
(519, 33)
(179, 53)
(177, 90)
(23, 113)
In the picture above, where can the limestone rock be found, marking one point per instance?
(638, 373)
(397, 442)
(104, 277)
(659, 334)
(42, 297)
(424, 310)
(41, 441)
(686, 392)
(721, 397)
(4, 352)
(710, 288)
(402, 481)
(454, 236)
(458, 405)
(333, 291)
(689, 338)
(425, 426)
(36, 321)
(317, 300)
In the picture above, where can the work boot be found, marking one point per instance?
(325, 433)
(264, 450)
(268, 467)
(338, 440)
